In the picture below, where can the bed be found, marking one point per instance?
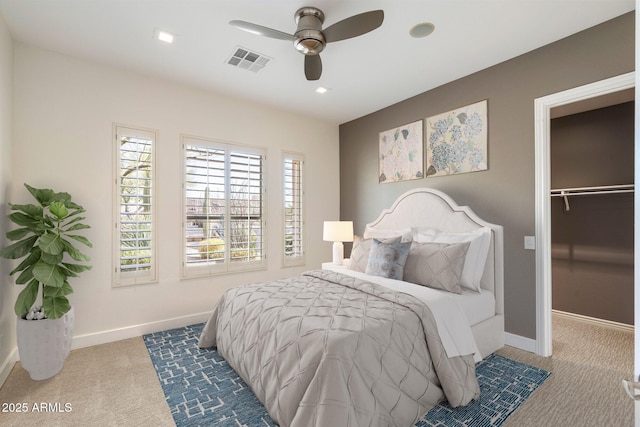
(345, 347)
(430, 208)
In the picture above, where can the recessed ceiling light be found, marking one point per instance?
(322, 89)
(422, 30)
(163, 35)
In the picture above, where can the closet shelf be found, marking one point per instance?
(589, 191)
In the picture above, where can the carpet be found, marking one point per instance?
(202, 389)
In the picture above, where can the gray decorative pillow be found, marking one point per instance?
(388, 259)
(436, 265)
(359, 257)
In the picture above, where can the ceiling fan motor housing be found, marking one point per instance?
(309, 38)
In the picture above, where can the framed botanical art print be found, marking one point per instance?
(457, 140)
(400, 153)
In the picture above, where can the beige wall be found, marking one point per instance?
(505, 193)
(64, 112)
(7, 289)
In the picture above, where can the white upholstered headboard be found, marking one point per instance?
(427, 207)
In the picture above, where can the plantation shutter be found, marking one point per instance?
(246, 202)
(293, 210)
(224, 208)
(205, 204)
(135, 261)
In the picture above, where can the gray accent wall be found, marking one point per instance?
(504, 194)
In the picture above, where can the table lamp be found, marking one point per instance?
(338, 232)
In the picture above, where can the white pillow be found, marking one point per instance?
(375, 233)
(479, 241)
(359, 254)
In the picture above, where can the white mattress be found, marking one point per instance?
(476, 306)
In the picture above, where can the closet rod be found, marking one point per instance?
(584, 191)
(587, 193)
(590, 190)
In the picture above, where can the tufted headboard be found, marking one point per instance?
(427, 207)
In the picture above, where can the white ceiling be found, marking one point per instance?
(364, 74)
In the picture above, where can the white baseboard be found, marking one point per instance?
(594, 321)
(7, 365)
(103, 337)
(517, 341)
(529, 344)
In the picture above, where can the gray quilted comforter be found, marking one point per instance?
(325, 349)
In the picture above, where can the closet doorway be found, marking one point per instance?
(612, 91)
(592, 196)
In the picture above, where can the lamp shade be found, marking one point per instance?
(338, 231)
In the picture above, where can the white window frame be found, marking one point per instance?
(190, 269)
(145, 275)
(298, 257)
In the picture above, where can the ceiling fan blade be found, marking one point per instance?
(312, 67)
(354, 26)
(261, 31)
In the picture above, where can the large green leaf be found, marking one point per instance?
(76, 268)
(51, 244)
(23, 219)
(75, 212)
(58, 209)
(49, 275)
(74, 220)
(19, 249)
(72, 205)
(77, 227)
(55, 306)
(67, 272)
(63, 197)
(52, 259)
(26, 298)
(81, 239)
(31, 210)
(25, 276)
(74, 252)
(44, 196)
(18, 233)
(65, 289)
(33, 257)
(48, 223)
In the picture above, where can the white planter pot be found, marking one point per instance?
(44, 344)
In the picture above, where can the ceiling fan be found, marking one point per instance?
(310, 39)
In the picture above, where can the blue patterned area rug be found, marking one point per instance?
(202, 389)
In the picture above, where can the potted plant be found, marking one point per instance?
(45, 241)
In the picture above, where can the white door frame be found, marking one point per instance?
(543, 108)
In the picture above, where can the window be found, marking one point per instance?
(293, 214)
(224, 225)
(134, 199)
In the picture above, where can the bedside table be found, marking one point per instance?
(333, 267)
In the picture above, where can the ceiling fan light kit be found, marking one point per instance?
(309, 38)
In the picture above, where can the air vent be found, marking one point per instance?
(249, 60)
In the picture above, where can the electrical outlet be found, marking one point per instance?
(530, 243)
